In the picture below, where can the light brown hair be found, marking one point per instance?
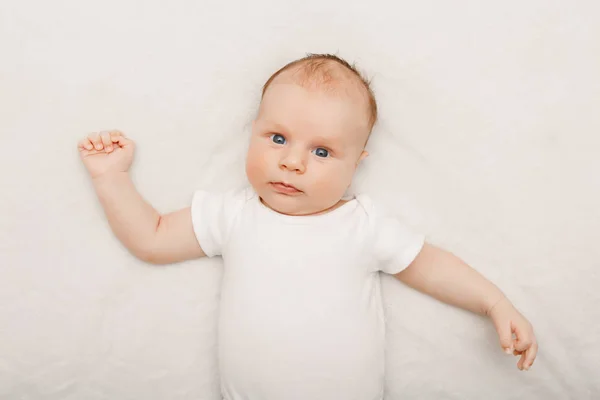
(320, 68)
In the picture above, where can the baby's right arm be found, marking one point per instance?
(154, 238)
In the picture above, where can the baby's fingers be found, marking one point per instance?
(521, 361)
(85, 144)
(115, 136)
(96, 140)
(525, 335)
(529, 356)
(120, 139)
(106, 139)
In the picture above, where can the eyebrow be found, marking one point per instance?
(327, 142)
(276, 127)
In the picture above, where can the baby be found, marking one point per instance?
(301, 313)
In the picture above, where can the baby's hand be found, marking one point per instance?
(507, 321)
(106, 152)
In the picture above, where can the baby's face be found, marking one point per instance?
(305, 147)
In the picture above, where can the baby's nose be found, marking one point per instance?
(293, 161)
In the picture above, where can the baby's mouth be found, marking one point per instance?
(285, 188)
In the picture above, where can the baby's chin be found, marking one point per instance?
(282, 204)
(287, 205)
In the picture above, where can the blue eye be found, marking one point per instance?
(321, 152)
(277, 138)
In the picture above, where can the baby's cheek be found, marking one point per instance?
(254, 167)
(333, 183)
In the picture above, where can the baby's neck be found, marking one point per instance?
(340, 203)
(336, 205)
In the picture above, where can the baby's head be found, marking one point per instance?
(310, 133)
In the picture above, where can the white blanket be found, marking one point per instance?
(488, 142)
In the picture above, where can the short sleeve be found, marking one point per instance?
(213, 216)
(395, 243)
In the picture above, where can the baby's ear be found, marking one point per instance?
(363, 155)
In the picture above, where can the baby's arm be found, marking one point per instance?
(444, 276)
(150, 236)
(447, 278)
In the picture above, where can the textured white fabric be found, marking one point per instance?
(301, 313)
(487, 141)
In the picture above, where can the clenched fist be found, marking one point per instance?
(509, 321)
(106, 152)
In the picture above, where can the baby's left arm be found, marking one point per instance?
(444, 276)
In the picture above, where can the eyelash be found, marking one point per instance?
(272, 135)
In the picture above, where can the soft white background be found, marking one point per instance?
(488, 142)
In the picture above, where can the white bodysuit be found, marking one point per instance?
(301, 313)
